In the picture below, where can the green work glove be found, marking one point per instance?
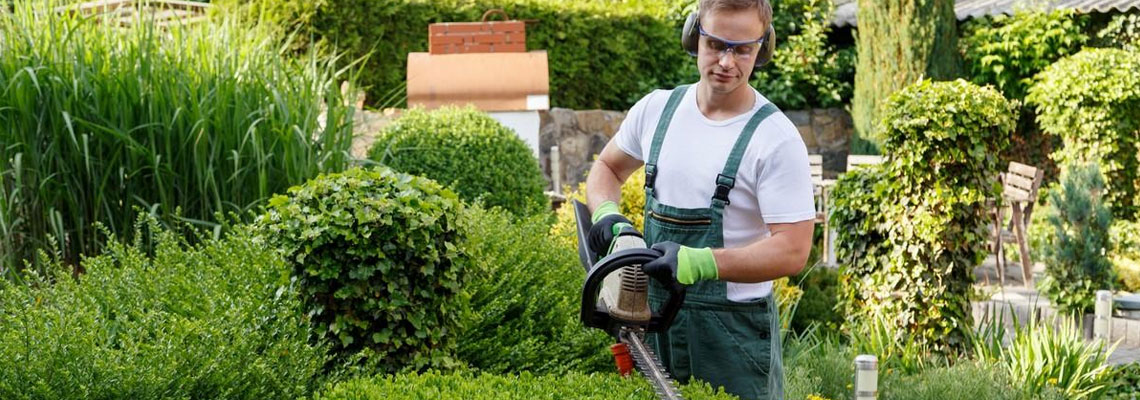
(681, 264)
(607, 222)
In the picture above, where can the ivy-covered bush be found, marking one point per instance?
(525, 386)
(1077, 258)
(158, 319)
(1091, 100)
(1123, 32)
(462, 147)
(377, 256)
(910, 231)
(525, 296)
(1007, 51)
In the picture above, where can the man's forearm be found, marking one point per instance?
(602, 185)
(783, 254)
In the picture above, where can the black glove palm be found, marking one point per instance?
(602, 233)
(664, 268)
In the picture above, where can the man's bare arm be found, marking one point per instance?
(784, 253)
(609, 171)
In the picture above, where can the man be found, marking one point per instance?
(728, 203)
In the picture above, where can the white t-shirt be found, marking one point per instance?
(773, 182)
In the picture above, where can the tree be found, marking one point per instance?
(899, 42)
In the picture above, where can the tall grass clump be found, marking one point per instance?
(98, 119)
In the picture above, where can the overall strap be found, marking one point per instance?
(659, 134)
(726, 180)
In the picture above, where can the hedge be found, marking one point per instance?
(467, 150)
(525, 296)
(603, 54)
(160, 319)
(910, 231)
(378, 259)
(525, 386)
(1091, 100)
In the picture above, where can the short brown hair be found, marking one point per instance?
(761, 6)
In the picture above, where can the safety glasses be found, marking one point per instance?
(742, 49)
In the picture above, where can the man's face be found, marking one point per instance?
(726, 70)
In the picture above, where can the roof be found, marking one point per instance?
(845, 11)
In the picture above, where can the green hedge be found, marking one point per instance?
(603, 54)
(525, 298)
(1091, 100)
(96, 120)
(467, 150)
(911, 230)
(466, 385)
(1007, 51)
(160, 319)
(378, 259)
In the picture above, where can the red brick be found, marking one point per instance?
(477, 48)
(437, 29)
(445, 39)
(490, 38)
(507, 26)
(466, 27)
(516, 38)
(509, 48)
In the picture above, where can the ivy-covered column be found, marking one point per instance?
(911, 230)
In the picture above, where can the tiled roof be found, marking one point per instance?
(845, 12)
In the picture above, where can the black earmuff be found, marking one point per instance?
(691, 33)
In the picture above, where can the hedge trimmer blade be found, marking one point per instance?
(650, 366)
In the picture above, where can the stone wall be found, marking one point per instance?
(580, 135)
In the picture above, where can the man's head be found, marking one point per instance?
(730, 40)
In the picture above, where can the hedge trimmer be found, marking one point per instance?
(619, 303)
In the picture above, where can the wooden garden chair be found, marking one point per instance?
(1019, 191)
(821, 187)
(859, 161)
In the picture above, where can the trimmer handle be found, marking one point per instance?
(594, 313)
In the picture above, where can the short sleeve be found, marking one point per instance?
(629, 135)
(784, 185)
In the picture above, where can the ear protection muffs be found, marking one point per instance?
(691, 33)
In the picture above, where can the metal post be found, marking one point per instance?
(866, 377)
(1102, 325)
(556, 169)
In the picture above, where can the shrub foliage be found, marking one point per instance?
(378, 259)
(158, 319)
(1091, 100)
(525, 386)
(525, 295)
(911, 230)
(468, 150)
(1077, 255)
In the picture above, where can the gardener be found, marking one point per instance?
(728, 202)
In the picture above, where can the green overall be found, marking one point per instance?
(725, 343)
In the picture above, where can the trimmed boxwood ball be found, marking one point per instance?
(468, 150)
(377, 257)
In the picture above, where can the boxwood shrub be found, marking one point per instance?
(1091, 100)
(910, 231)
(377, 256)
(160, 319)
(525, 386)
(525, 297)
(467, 149)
